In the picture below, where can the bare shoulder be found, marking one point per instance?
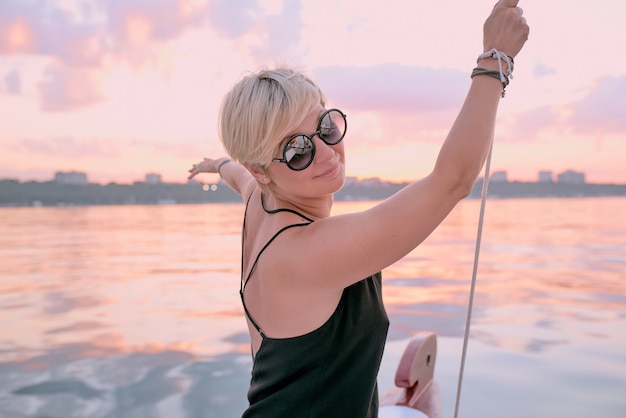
(249, 185)
(338, 251)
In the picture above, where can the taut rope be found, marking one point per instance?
(470, 305)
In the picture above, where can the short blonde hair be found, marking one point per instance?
(262, 109)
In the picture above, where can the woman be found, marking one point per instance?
(311, 284)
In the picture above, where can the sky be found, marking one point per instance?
(122, 88)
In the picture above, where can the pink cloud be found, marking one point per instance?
(12, 82)
(79, 42)
(65, 88)
(233, 22)
(284, 28)
(28, 28)
(281, 31)
(542, 70)
(160, 19)
(603, 109)
(60, 151)
(82, 37)
(393, 87)
(527, 125)
(66, 147)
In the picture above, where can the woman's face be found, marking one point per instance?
(325, 174)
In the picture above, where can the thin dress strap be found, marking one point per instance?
(243, 283)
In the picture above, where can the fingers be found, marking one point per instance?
(506, 3)
(505, 29)
(194, 170)
(207, 165)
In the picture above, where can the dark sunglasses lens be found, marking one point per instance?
(332, 127)
(298, 152)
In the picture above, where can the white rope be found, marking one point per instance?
(494, 53)
(470, 305)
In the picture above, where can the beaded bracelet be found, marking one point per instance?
(492, 73)
(221, 164)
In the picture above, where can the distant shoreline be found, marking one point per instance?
(16, 194)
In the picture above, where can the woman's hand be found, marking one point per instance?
(207, 165)
(505, 29)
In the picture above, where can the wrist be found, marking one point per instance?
(221, 164)
(494, 74)
(492, 57)
(495, 64)
(491, 64)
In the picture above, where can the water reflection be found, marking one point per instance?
(133, 311)
(86, 380)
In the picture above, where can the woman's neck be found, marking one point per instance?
(318, 207)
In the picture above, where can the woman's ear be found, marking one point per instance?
(259, 173)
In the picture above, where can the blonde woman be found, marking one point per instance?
(311, 283)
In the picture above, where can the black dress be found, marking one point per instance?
(329, 372)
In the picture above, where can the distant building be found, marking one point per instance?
(572, 177)
(371, 182)
(153, 178)
(499, 176)
(545, 177)
(70, 177)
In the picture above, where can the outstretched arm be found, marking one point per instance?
(467, 145)
(235, 175)
(368, 241)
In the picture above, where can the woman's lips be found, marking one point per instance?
(330, 172)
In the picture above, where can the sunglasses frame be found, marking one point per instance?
(310, 138)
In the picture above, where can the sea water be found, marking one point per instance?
(133, 311)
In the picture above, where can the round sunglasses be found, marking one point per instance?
(299, 149)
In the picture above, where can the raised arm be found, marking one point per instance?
(236, 176)
(465, 149)
(369, 241)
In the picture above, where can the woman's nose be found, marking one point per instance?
(323, 151)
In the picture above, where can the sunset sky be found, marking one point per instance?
(121, 88)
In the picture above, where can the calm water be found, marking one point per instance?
(133, 311)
